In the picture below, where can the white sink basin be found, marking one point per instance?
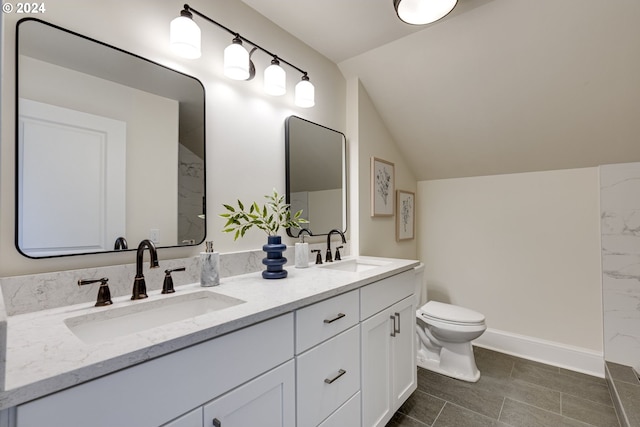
(354, 265)
(139, 316)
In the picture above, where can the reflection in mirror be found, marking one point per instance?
(110, 147)
(316, 175)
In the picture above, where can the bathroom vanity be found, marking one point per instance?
(331, 345)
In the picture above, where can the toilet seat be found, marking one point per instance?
(450, 314)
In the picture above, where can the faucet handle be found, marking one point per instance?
(167, 285)
(328, 257)
(104, 294)
(337, 257)
(318, 256)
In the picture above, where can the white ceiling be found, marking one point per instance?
(498, 86)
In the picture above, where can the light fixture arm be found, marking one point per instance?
(244, 39)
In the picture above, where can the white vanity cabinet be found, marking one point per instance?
(389, 373)
(160, 390)
(345, 361)
(328, 362)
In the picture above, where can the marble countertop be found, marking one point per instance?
(43, 356)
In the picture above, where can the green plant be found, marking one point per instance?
(270, 217)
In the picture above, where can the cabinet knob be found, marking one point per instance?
(217, 423)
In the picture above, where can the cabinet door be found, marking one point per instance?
(403, 352)
(376, 370)
(267, 401)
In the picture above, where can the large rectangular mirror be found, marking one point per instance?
(316, 175)
(110, 147)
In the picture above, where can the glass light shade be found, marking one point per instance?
(305, 94)
(236, 61)
(275, 79)
(184, 37)
(421, 12)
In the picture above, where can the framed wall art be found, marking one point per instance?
(382, 187)
(406, 218)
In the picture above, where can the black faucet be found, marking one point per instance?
(328, 257)
(304, 230)
(139, 285)
(120, 244)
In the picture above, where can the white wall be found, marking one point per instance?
(376, 235)
(522, 249)
(245, 127)
(620, 207)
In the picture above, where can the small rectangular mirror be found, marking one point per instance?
(316, 175)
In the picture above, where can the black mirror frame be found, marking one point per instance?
(288, 174)
(17, 142)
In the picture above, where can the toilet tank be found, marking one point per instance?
(420, 291)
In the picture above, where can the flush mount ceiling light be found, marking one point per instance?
(421, 12)
(185, 41)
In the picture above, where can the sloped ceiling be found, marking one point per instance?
(498, 86)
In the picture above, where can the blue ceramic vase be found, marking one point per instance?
(274, 260)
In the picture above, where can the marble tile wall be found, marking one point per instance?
(191, 227)
(25, 294)
(620, 228)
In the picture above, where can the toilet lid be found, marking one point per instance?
(451, 313)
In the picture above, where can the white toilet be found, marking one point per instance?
(444, 334)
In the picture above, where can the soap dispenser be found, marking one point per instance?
(210, 266)
(302, 250)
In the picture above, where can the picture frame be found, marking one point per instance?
(382, 187)
(406, 218)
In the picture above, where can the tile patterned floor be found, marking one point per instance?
(625, 391)
(512, 392)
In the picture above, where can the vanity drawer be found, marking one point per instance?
(325, 319)
(347, 415)
(327, 376)
(386, 292)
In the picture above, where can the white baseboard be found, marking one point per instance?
(552, 353)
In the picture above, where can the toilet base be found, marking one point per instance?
(457, 362)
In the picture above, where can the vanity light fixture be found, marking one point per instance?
(184, 37)
(421, 12)
(305, 93)
(275, 78)
(185, 41)
(236, 60)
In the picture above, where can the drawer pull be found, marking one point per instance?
(340, 373)
(397, 331)
(336, 317)
(217, 423)
(393, 329)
